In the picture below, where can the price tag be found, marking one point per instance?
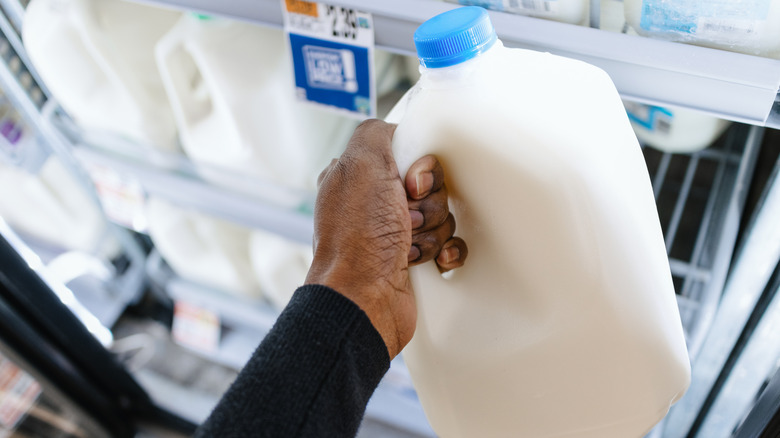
(333, 56)
(122, 197)
(18, 393)
(195, 327)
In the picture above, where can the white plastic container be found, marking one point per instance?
(747, 26)
(202, 249)
(563, 322)
(51, 206)
(97, 58)
(565, 11)
(280, 265)
(230, 84)
(674, 130)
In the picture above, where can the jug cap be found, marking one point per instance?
(454, 36)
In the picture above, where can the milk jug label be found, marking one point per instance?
(653, 118)
(332, 52)
(530, 7)
(714, 18)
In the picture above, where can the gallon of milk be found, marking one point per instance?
(674, 130)
(563, 322)
(747, 26)
(50, 206)
(280, 265)
(202, 249)
(97, 58)
(565, 11)
(230, 84)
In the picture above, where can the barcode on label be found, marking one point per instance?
(710, 26)
(532, 6)
(301, 7)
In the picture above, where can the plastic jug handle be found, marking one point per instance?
(181, 75)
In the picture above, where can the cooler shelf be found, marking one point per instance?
(728, 85)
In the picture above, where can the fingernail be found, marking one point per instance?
(417, 219)
(414, 253)
(450, 254)
(424, 183)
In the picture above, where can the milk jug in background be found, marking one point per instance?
(566, 11)
(50, 206)
(203, 249)
(97, 58)
(747, 26)
(230, 84)
(563, 322)
(280, 265)
(672, 129)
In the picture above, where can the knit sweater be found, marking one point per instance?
(311, 376)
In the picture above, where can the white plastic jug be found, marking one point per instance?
(97, 58)
(747, 26)
(201, 248)
(674, 130)
(230, 84)
(566, 11)
(280, 265)
(563, 322)
(51, 206)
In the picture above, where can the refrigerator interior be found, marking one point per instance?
(184, 340)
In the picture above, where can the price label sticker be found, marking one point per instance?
(18, 393)
(122, 197)
(196, 327)
(333, 56)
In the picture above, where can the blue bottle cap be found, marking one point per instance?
(454, 36)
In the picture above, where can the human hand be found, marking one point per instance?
(370, 226)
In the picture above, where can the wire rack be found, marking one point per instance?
(700, 197)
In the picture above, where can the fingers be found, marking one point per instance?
(452, 255)
(429, 212)
(325, 172)
(425, 176)
(427, 245)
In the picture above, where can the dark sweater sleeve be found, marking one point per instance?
(311, 376)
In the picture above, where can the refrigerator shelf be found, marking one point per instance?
(727, 85)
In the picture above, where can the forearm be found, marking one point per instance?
(311, 376)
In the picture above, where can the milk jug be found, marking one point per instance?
(201, 248)
(230, 84)
(563, 322)
(97, 58)
(747, 26)
(565, 11)
(50, 206)
(674, 130)
(280, 265)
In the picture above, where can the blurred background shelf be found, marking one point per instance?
(727, 85)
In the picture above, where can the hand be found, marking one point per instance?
(367, 231)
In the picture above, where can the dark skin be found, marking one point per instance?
(370, 225)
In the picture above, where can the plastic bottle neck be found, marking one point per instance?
(456, 75)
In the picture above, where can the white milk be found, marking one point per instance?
(674, 130)
(230, 84)
(51, 206)
(203, 249)
(565, 11)
(280, 265)
(97, 58)
(747, 26)
(563, 321)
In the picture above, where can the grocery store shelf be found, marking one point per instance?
(728, 85)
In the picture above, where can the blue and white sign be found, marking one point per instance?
(332, 52)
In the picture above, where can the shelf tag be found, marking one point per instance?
(122, 197)
(333, 56)
(196, 327)
(18, 393)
